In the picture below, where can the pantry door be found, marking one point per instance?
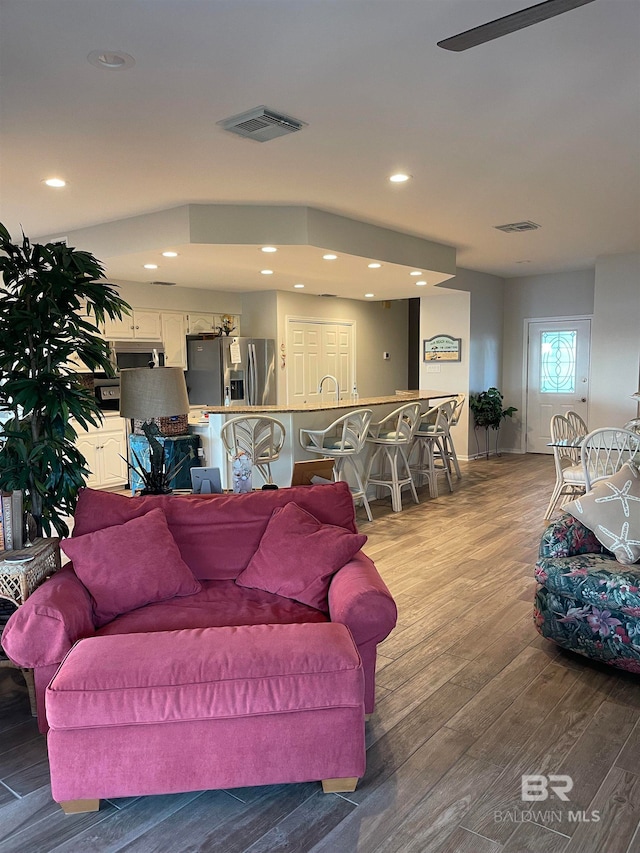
(558, 356)
(314, 348)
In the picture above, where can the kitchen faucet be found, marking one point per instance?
(330, 376)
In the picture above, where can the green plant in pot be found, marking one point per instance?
(488, 412)
(52, 302)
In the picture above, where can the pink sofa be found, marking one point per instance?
(217, 535)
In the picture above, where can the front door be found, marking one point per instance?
(557, 376)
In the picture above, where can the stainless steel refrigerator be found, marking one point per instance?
(242, 369)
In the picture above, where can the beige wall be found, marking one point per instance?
(144, 295)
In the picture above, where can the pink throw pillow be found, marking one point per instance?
(298, 556)
(129, 565)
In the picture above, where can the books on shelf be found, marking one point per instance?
(11, 520)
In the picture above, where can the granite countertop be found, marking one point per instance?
(399, 397)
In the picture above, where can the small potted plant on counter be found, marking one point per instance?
(488, 413)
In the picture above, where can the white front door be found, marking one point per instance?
(557, 376)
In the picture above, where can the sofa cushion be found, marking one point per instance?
(612, 511)
(298, 556)
(129, 565)
(209, 673)
(217, 534)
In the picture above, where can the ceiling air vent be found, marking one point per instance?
(261, 124)
(328, 295)
(163, 283)
(517, 227)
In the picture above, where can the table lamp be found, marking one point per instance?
(153, 393)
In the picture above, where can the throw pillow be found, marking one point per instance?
(298, 555)
(129, 565)
(612, 511)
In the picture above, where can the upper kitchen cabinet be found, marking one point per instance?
(197, 323)
(140, 324)
(174, 329)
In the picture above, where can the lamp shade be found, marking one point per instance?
(153, 393)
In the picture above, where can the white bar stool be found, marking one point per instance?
(429, 441)
(342, 441)
(390, 439)
(261, 437)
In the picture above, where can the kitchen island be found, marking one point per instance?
(207, 421)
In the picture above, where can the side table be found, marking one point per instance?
(18, 581)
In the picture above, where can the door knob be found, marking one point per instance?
(583, 399)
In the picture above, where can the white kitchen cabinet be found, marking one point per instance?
(174, 330)
(140, 324)
(104, 448)
(197, 323)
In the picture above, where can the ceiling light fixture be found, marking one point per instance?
(369, 295)
(415, 272)
(299, 286)
(169, 254)
(151, 266)
(266, 272)
(112, 60)
(329, 257)
(268, 249)
(374, 266)
(55, 182)
(420, 283)
(399, 178)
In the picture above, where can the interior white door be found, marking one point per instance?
(314, 349)
(557, 376)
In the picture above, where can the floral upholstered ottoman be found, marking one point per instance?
(587, 602)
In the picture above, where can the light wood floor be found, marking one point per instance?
(469, 699)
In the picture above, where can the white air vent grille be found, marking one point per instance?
(163, 283)
(517, 227)
(261, 124)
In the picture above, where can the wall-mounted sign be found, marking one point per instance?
(441, 348)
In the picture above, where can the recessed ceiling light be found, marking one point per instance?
(112, 60)
(266, 272)
(369, 295)
(151, 266)
(329, 257)
(420, 283)
(268, 249)
(299, 286)
(169, 254)
(374, 266)
(415, 272)
(55, 182)
(399, 178)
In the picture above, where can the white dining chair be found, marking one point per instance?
(633, 425)
(570, 479)
(604, 451)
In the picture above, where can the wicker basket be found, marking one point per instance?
(176, 425)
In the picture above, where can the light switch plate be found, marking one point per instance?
(433, 368)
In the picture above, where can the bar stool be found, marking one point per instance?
(342, 441)
(261, 437)
(429, 441)
(450, 450)
(390, 439)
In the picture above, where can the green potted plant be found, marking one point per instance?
(488, 412)
(52, 303)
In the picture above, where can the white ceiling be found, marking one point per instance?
(543, 124)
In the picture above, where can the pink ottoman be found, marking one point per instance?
(173, 711)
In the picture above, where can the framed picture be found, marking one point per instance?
(441, 348)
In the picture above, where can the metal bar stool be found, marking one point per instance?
(390, 439)
(429, 444)
(342, 441)
(261, 437)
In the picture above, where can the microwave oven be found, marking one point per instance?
(127, 354)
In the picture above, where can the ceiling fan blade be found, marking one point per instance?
(510, 23)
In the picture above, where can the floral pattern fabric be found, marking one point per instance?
(587, 602)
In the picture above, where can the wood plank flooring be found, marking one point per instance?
(469, 699)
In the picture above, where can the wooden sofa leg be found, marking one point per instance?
(78, 806)
(339, 786)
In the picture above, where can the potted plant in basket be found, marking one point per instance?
(488, 412)
(52, 302)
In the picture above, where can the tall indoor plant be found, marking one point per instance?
(488, 412)
(52, 302)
